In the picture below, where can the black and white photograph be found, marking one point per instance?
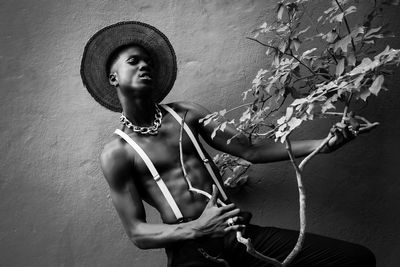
(191, 133)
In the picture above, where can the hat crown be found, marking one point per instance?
(104, 43)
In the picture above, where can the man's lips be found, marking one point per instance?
(145, 76)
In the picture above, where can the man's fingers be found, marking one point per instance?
(234, 228)
(354, 124)
(368, 127)
(235, 220)
(228, 207)
(231, 213)
(214, 197)
(347, 134)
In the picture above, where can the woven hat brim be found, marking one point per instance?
(103, 43)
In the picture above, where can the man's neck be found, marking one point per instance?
(139, 111)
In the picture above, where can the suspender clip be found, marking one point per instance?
(206, 160)
(157, 178)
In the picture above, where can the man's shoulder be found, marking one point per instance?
(193, 108)
(115, 155)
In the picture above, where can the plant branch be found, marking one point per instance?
(235, 108)
(312, 154)
(346, 108)
(285, 53)
(347, 24)
(250, 249)
(302, 204)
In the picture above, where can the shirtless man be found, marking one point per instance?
(204, 236)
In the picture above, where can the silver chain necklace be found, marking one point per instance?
(151, 130)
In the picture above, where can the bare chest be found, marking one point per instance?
(164, 149)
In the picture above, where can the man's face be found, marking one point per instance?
(133, 71)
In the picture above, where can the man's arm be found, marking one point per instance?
(118, 169)
(262, 152)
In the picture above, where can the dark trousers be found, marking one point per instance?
(273, 242)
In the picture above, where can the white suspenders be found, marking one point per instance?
(199, 151)
(154, 171)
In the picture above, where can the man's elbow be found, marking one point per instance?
(140, 244)
(249, 156)
(139, 240)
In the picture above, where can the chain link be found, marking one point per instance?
(151, 130)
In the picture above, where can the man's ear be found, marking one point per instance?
(112, 79)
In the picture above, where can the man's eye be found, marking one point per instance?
(133, 60)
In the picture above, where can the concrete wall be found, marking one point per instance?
(54, 203)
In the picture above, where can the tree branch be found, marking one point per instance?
(347, 25)
(250, 249)
(302, 204)
(285, 53)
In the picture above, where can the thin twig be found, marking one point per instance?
(285, 53)
(250, 249)
(312, 154)
(347, 24)
(235, 108)
(346, 108)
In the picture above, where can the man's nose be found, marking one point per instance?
(144, 65)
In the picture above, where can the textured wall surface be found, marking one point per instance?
(54, 203)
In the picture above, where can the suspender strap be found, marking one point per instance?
(199, 151)
(153, 172)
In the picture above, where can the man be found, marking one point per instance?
(131, 67)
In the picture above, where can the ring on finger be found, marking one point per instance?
(354, 132)
(230, 222)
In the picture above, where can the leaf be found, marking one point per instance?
(208, 118)
(279, 11)
(349, 10)
(222, 112)
(277, 58)
(340, 67)
(295, 44)
(377, 85)
(326, 106)
(223, 126)
(289, 113)
(282, 46)
(303, 31)
(343, 43)
(364, 94)
(281, 120)
(214, 132)
(372, 31)
(362, 67)
(294, 123)
(337, 18)
(358, 80)
(310, 108)
(284, 77)
(245, 116)
(307, 52)
(351, 59)
(245, 93)
(298, 102)
(331, 36)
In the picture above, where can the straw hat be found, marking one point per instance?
(103, 43)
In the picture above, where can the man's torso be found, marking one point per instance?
(163, 150)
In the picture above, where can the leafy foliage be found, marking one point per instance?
(337, 63)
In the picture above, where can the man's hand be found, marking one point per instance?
(343, 132)
(214, 220)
